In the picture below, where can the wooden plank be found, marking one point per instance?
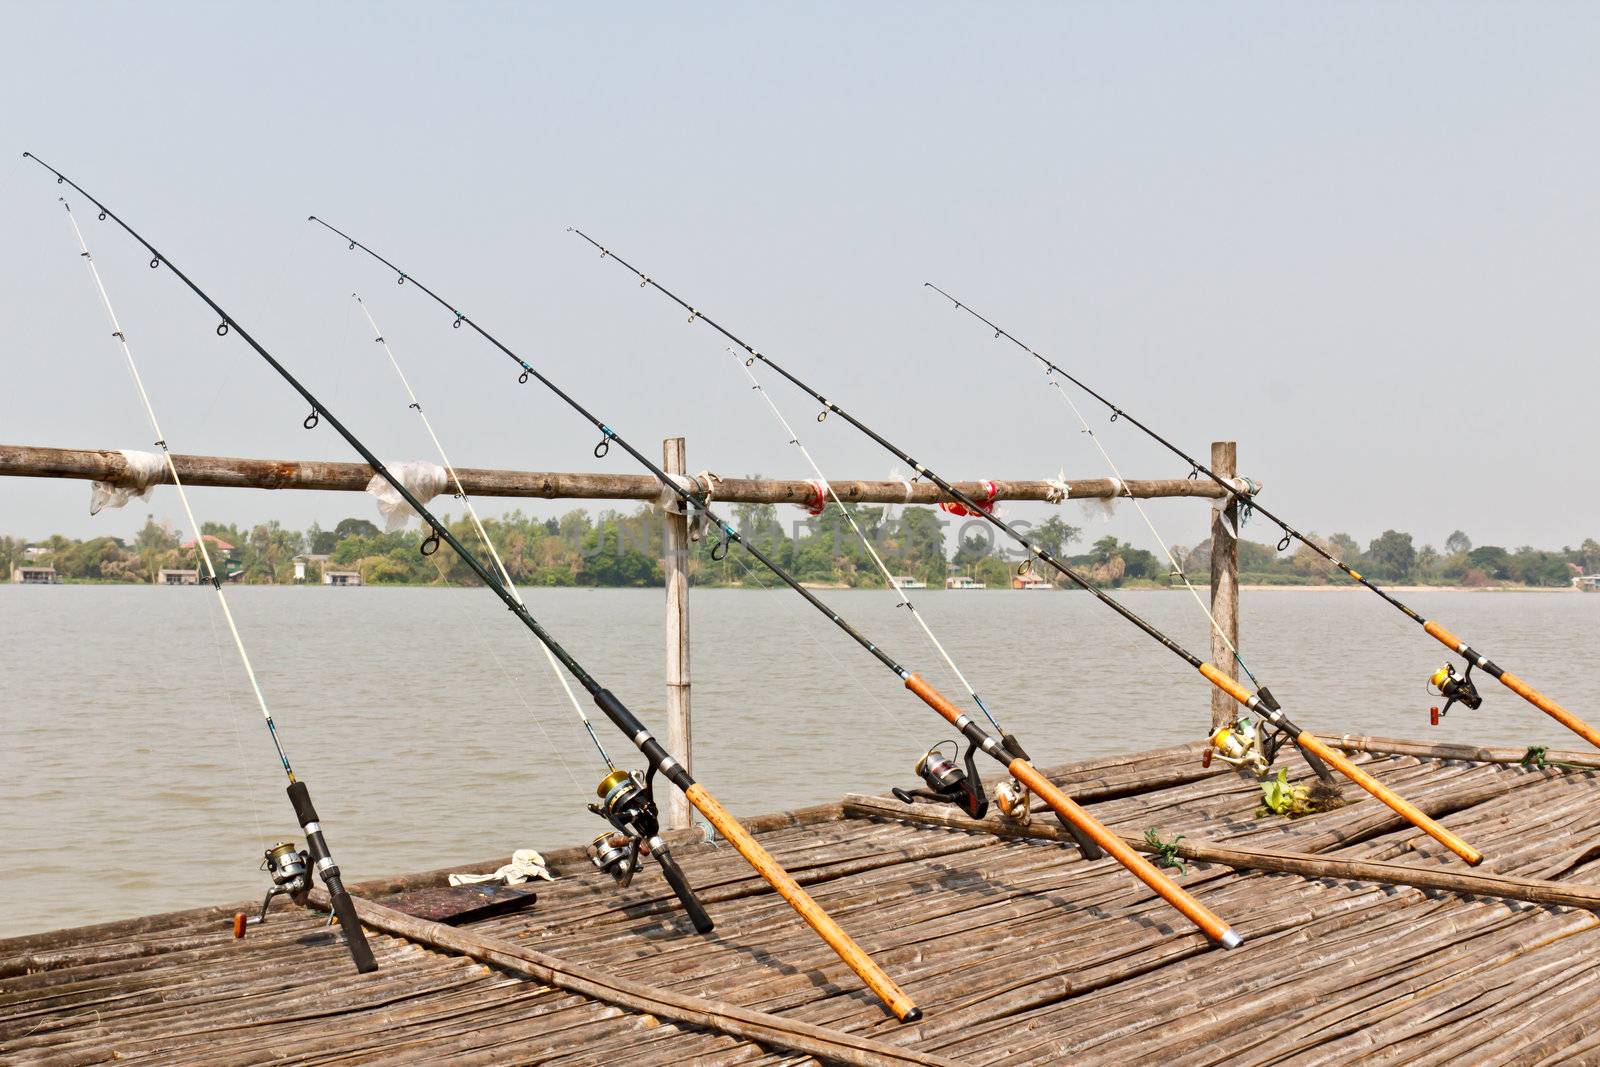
(636, 996)
(675, 572)
(1224, 582)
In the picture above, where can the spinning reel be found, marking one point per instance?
(1250, 746)
(290, 869)
(947, 782)
(1445, 683)
(1245, 746)
(627, 802)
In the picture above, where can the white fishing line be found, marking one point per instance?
(794, 439)
(1122, 485)
(183, 496)
(505, 575)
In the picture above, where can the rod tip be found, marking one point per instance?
(1230, 939)
(311, 218)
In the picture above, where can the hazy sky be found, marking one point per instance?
(1360, 239)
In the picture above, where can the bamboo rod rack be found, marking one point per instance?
(29, 461)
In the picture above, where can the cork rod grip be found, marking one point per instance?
(1399, 804)
(1551, 708)
(1140, 867)
(1522, 689)
(787, 888)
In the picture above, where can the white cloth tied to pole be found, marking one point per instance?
(703, 484)
(1059, 489)
(525, 866)
(422, 480)
(143, 469)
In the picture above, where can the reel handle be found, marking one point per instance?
(680, 885)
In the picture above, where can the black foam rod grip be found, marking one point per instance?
(680, 886)
(355, 937)
(300, 797)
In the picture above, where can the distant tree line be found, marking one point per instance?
(613, 548)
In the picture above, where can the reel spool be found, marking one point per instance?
(1012, 798)
(1240, 746)
(947, 782)
(290, 870)
(611, 855)
(1444, 682)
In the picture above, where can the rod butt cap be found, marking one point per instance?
(1230, 939)
(912, 1016)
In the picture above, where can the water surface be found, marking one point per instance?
(138, 776)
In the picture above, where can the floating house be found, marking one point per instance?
(177, 576)
(341, 577)
(906, 581)
(961, 581)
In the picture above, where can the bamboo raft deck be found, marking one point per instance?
(1019, 951)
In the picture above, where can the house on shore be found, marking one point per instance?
(341, 577)
(35, 576)
(177, 576)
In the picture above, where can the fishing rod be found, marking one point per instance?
(1277, 725)
(656, 756)
(289, 867)
(1449, 685)
(625, 801)
(963, 787)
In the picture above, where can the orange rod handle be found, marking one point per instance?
(1407, 810)
(1399, 804)
(787, 888)
(1523, 689)
(1064, 805)
(1141, 868)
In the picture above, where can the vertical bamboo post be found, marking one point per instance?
(675, 572)
(1224, 581)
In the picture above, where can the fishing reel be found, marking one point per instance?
(1013, 799)
(947, 782)
(1245, 746)
(1444, 682)
(627, 802)
(290, 869)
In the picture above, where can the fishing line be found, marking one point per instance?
(905, 601)
(183, 496)
(1177, 568)
(500, 566)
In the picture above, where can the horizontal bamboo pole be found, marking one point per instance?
(28, 461)
(791, 1035)
(1306, 864)
(1390, 746)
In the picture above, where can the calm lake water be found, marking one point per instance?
(138, 776)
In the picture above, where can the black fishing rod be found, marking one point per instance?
(1445, 680)
(615, 792)
(944, 778)
(1261, 703)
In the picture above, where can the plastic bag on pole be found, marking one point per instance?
(422, 480)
